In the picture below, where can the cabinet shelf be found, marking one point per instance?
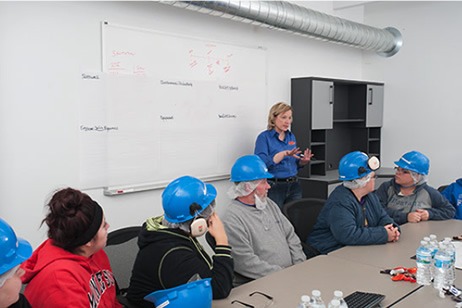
(348, 120)
(335, 117)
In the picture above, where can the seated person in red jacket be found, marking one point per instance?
(71, 269)
(170, 254)
(13, 251)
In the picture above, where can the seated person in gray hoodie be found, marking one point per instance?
(408, 198)
(263, 239)
(352, 214)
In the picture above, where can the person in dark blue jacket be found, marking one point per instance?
(352, 214)
(408, 198)
(454, 195)
(277, 147)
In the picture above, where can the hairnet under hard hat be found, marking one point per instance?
(358, 183)
(185, 226)
(7, 275)
(242, 189)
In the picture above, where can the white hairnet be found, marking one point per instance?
(358, 183)
(185, 226)
(418, 178)
(242, 189)
(7, 275)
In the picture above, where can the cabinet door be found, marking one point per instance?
(374, 110)
(322, 104)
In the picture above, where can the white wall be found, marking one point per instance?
(45, 45)
(423, 107)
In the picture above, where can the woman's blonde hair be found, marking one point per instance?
(276, 110)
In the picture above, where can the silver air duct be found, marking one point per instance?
(290, 17)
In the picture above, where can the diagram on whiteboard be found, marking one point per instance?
(209, 59)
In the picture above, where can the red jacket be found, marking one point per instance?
(58, 278)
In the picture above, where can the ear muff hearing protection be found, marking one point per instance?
(199, 225)
(356, 165)
(373, 163)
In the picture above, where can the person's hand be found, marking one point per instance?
(395, 230)
(393, 233)
(424, 215)
(414, 217)
(293, 153)
(217, 229)
(307, 155)
(281, 155)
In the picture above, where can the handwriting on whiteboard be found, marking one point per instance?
(124, 62)
(209, 60)
(98, 128)
(227, 116)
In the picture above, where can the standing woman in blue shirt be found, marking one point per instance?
(277, 147)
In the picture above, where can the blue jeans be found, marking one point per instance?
(283, 192)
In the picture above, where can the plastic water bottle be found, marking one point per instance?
(442, 263)
(335, 303)
(433, 244)
(304, 302)
(316, 300)
(424, 264)
(451, 250)
(338, 295)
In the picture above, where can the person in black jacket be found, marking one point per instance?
(170, 255)
(13, 251)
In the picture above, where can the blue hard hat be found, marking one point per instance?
(13, 250)
(192, 294)
(414, 161)
(249, 168)
(356, 165)
(179, 196)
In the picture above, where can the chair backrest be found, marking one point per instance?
(122, 249)
(303, 214)
(442, 187)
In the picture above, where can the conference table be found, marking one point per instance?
(349, 269)
(391, 255)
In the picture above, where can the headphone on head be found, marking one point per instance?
(199, 224)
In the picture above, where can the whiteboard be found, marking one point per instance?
(181, 105)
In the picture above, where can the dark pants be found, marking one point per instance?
(283, 192)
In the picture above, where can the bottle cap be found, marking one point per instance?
(305, 298)
(338, 293)
(335, 303)
(316, 293)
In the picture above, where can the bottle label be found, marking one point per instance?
(423, 258)
(442, 263)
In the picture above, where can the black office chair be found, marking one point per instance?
(303, 214)
(122, 249)
(442, 187)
